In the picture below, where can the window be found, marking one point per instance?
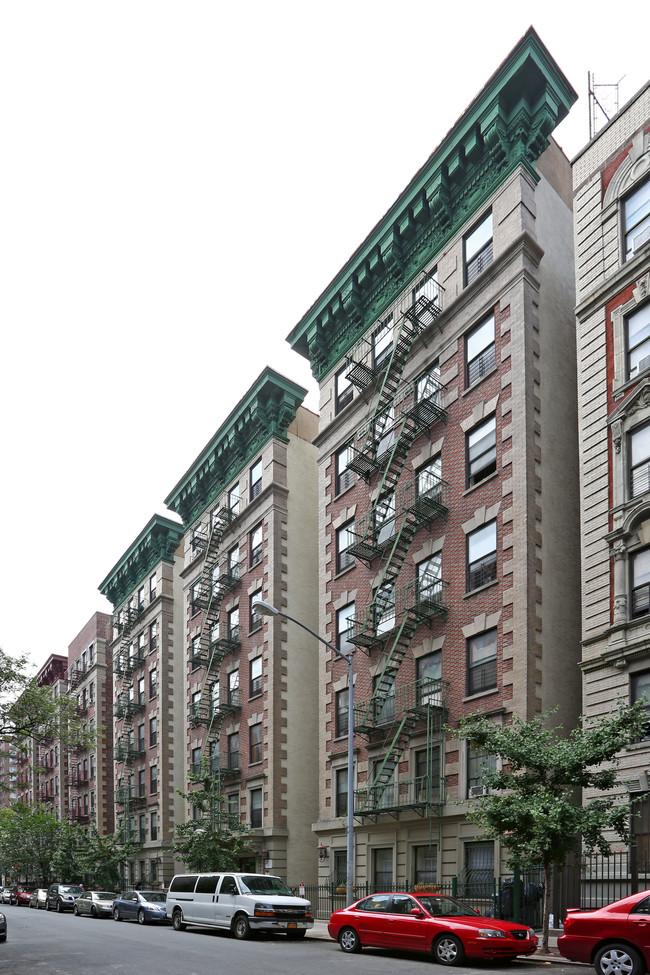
(384, 431)
(426, 300)
(480, 353)
(142, 783)
(153, 636)
(256, 545)
(233, 750)
(384, 704)
(195, 598)
(215, 696)
(141, 740)
(382, 344)
(382, 861)
(196, 760)
(233, 688)
(637, 334)
(343, 391)
(636, 215)
(255, 678)
(153, 779)
(428, 480)
(256, 478)
(141, 599)
(256, 808)
(479, 869)
(153, 731)
(430, 580)
(255, 621)
(345, 627)
(255, 743)
(385, 608)
(428, 388)
(153, 682)
(481, 452)
(641, 582)
(152, 588)
(482, 662)
(142, 830)
(385, 519)
(233, 624)
(429, 673)
(344, 475)
(477, 764)
(141, 690)
(233, 562)
(478, 248)
(640, 689)
(345, 537)
(427, 775)
(426, 864)
(482, 556)
(340, 867)
(342, 713)
(234, 500)
(232, 805)
(154, 825)
(341, 796)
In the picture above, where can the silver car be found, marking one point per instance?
(37, 898)
(95, 903)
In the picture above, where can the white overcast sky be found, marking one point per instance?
(178, 183)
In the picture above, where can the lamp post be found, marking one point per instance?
(266, 609)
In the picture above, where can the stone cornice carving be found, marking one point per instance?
(157, 542)
(509, 124)
(265, 411)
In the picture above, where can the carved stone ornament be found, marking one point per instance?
(620, 609)
(619, 551)
(642, 288)
(617, 435)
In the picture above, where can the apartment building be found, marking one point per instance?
(146, 649)
(249, 509)
(43, 763)
(611, 180)
(448, 562)
(90, 681)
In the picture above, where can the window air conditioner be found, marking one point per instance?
(477, 790)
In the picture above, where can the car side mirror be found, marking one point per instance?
(416, 912)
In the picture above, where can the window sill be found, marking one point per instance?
(477, 382)
(344, 491)
(486, 480)
(487, 585)
(479, 694)
(344, 571)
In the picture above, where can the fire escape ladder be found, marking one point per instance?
(386, 682)
(385, 774)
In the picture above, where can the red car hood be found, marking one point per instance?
(485, 922)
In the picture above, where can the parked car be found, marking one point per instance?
(38, 898)
(443, 926)
(141, 906)
(96, 903)
(9, 895)
(3, 927)
(61, 897)
(23, 894)
(614, 939)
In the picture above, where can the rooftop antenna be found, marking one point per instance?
(602, 105)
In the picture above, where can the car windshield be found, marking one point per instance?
(154, 897)
(71, 890)
(264, 885)
(104, 895)
(447, 907)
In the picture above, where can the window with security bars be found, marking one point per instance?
(477, 879)
(481, 452)
(636, 219)
(344, 474)
(482, 556)
(425, 864)
(382, 868)
(480, 351)
(637, 335)
(344, 539)
(482, 662)
(478, 248)
(640, 573)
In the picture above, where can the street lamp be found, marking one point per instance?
(266, 609)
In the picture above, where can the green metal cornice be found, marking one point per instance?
(509, 124)
(264, 413)
(157, 542)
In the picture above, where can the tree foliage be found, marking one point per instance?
(533, 805)
(29, 840)
(216, 839)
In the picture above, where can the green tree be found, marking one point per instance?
(29, 840)
(100, 858)
(533, 805)
(217, 839)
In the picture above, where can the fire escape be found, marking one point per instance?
(127, 704)
(216, 639)
(385, 533)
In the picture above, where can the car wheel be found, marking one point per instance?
(59, 907)
(616, 959)
(116, 914)
(177, 920)
(141, 918)
(299, 933)
(349, 941)
(93, 911)
(47, 905)
(241, 928)
(75, 911)
(448, 950)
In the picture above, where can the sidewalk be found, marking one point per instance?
(319, 931)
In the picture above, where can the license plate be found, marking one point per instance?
(292, 924)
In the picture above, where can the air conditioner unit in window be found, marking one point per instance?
(640, 239)
(478, 790)
(643, 363)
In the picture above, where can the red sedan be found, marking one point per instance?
(614, 939)
(443, 926)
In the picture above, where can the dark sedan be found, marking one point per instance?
(141, 906)
(3, 927)
(615, 939)
(444, 927)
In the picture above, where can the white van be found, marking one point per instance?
(240, 902)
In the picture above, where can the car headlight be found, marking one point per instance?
(531, 933)
(264, 910)
(491, 933)
(2, 918)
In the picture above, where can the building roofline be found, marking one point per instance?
(157, 542)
